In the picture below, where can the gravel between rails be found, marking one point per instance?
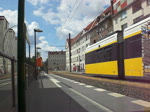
(136, 90)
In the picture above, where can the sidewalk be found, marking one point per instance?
(44, 96)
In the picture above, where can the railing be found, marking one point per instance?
(30, 73)
(12, 77)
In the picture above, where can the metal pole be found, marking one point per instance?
(35, 52)
(70, 52)
(29, 52)
(21, 58)
(13, 82)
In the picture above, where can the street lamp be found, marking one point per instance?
(4, 44)
(36, 30)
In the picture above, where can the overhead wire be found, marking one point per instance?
(69, 17)
(67, 22)
(94, 17)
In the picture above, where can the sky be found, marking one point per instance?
(56, 18)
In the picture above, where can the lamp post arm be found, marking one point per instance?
(5, 36)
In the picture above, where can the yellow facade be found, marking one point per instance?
(134, 67)
(108, 68)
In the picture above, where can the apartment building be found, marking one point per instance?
(92, 33)
(78, 46)
(56, 60)
(101, 27)
(129, 12)
(8, 43)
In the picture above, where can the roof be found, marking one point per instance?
(107, 10)
(3, 18)
(76, 38)
(91, 25)
(56, 52)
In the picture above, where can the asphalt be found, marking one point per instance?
(49, 98)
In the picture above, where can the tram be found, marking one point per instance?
(122, 54)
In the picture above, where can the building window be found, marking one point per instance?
(86, 45)
(94, 41)
(136, 6)
(116, 21)
(124, 26)
(79, 50)
(148, 2)
(137, 19)
(123, 15)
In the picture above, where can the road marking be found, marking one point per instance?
(45, 74)
(55, 82)
(89, 86)
(63, 78)
(4, 84)
(116, 95)
(81, 84)
(75, 82)
(142, 103)
(99, 89)
(91, 101)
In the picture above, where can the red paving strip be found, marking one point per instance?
(127, 83)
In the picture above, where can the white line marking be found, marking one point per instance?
(116, 95)
(75, 82)
(45, 74)
(89, 86)
(99, 89)
(55, 82)
(4, 84)
(63, 78)
(81, 84)
(92, 101)
(142, 103)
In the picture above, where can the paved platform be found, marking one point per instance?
(49, 98)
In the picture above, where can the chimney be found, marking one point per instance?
(112, 8)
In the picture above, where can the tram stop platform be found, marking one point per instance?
(44, 96)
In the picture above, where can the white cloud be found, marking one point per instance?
(41, 38)
(11, 17)
(1, 8)
(44, 45)
(35, 2)
(30, 27)
(81, 15)
(33, 25)
(49, 16)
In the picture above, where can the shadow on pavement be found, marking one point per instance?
(50, 100)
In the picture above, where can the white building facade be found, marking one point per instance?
(8, 43)
(78, 46)
(129, 12)
(56, 60)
